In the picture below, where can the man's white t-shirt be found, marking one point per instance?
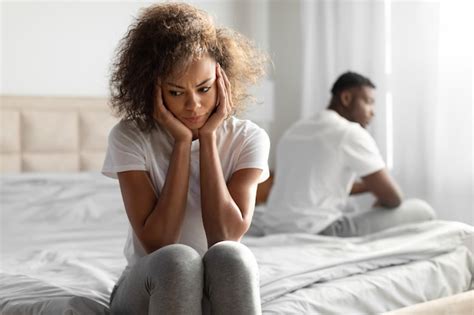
(317, 162)
(240, 143)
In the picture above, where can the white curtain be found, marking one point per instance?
(419, 54)
(339, 36)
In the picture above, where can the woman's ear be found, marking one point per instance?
(346, 98)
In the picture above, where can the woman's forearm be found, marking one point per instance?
(165, 221)
(221, 216)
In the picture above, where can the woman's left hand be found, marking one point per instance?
(224, 105)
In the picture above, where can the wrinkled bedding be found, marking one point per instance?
(62, 239)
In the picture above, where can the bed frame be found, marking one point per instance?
(459, 304)
(69, 134)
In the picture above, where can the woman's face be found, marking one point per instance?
(191, 93)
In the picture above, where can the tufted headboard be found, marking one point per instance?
(53, 134)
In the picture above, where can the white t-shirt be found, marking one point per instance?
(240, 143)
(317, 162)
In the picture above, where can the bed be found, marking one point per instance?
(63, 229)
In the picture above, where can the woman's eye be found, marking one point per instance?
(205, 89)
(176, 93)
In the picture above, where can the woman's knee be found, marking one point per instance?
(232, 280)
(173, 271)
(230, 254)
(174, 260)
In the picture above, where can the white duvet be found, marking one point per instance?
(62, 239)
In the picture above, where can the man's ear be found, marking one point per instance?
(346, 98)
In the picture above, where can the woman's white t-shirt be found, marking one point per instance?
(240, 143)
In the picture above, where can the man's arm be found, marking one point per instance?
(382, 185)
(359, 187)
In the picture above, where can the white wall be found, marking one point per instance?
(66, 48)
(60, 48)
(285, 50)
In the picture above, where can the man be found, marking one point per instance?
(318, 160)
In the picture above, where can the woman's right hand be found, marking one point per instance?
(165, 118)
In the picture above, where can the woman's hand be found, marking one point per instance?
(165, 118)
(224, 106)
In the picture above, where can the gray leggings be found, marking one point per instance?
(176, 280)
(377, 219)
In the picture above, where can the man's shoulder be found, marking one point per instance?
(323, 122)
(332, 118)
(333, 121)
(357, 136)
(356, 130)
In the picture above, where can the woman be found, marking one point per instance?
(188, 170)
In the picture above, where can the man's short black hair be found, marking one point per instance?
(349, 80)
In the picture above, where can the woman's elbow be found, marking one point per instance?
(151, 243)
(232, 233)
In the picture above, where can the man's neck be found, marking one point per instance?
(341, 110)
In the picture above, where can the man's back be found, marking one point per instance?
(317, 162)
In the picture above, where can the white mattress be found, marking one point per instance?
(62, 239)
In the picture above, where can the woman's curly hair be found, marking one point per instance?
(172, 34)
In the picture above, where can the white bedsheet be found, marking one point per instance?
(62, 239)
(298, 260)
(380, 290)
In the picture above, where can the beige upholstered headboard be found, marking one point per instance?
(53, 134)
